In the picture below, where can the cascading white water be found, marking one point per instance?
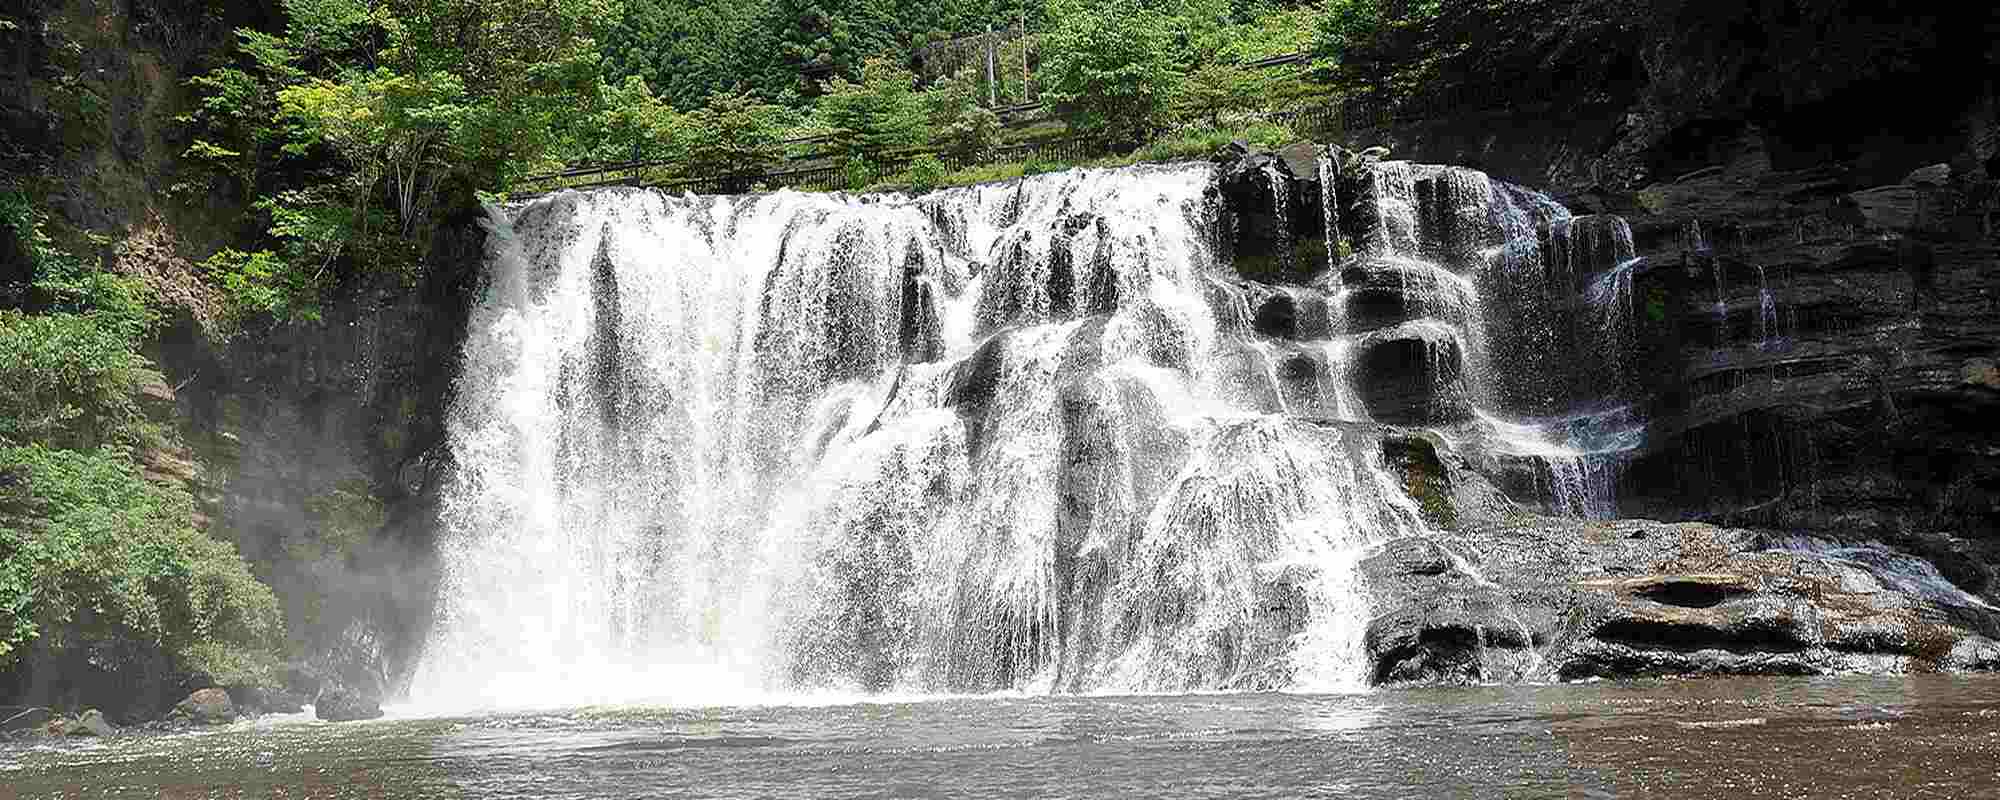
(1487, 273)
(985, 439)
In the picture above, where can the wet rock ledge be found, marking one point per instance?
(1506, 596)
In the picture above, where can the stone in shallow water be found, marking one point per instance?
(92, 723)
(344, 705)
(210, 706)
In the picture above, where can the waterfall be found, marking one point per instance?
(1035, 436)
(1519, 314)
(985, 439)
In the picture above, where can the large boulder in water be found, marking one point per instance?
(340, 704)
(91, 723)
(205, 707)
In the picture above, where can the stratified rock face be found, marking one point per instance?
(1565, 599)
(1811, 310)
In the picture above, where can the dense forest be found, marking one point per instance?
(303, 149)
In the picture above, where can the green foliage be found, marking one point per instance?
(62, 281)
(1039, 166)
(631, 124)
(1656, 305)
(69, 376)
(1202, 143)
(70, 380)
(958, 123)
(351, 125)
(857, 174)
(733, 134)
(926, 172)
(1110, 67)
(1216, 90)
(882, 112)
(687, 50)
(93, 557)
(93, 554)
(260, 283)
(1265, 30)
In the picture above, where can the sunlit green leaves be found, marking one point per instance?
(1110, 66)
(881, 112)
(90, 551)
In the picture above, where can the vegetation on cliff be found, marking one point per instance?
(105, 574)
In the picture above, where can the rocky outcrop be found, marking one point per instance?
(1270, 204)
(1819, 359)
(1551, 599)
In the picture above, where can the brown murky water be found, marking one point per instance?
(1931, 736)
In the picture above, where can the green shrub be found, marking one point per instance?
(66, 282)
(958, 123)
(70, 380)
(857, 174)
(926, 172)
(261, 283)
(1111, 67)
(92, 554)
(882, 112)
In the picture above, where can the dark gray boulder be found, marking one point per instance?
(339, 704)
(24, 719)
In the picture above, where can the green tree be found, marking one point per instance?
(630, 123)
(96, 561)
(689, 49)
(1110, 67)
(1216, 89)
(881, 112)
(958, 123)
(732, 135)
(363, 116)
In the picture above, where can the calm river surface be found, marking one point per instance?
(1791, 738)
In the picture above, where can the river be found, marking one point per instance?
(1929, 736)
